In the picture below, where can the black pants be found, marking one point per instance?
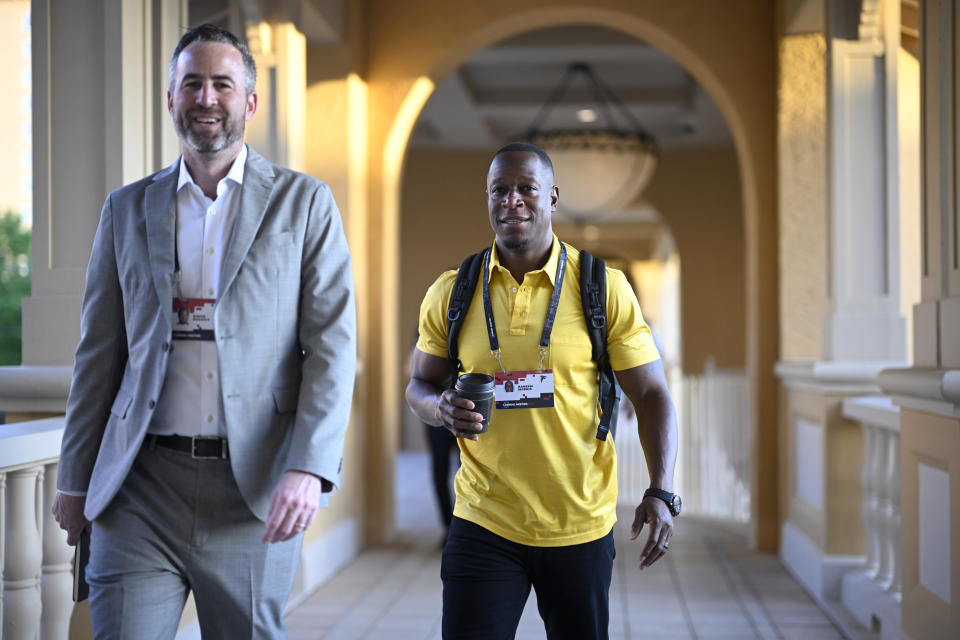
(487, 579)
(441, 443)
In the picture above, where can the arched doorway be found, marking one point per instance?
(404, 66)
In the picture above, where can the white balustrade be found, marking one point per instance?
(872, 592)
(22, 555)
(870, 499)
(34, 557)
(57, 581)
(714, 458)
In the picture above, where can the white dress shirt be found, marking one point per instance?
(191, 403)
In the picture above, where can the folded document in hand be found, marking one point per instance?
(81, 590)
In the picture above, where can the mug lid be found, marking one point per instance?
(475, 382)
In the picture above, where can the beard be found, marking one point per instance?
(516, 245)
(231, 131)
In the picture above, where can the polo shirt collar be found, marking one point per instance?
(550, 268)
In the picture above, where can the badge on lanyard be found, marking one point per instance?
(192, 318)
(529, 389)
(523, 389)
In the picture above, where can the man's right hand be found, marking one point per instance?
(68, 511)
(457, 416)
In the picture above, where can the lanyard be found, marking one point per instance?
(177, 274)
(551, 311)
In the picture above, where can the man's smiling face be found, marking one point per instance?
(208, 98)
(521, 198)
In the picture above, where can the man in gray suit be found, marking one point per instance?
(183, 438)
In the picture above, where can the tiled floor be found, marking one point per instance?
(709, 585)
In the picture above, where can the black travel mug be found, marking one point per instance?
(478, 388)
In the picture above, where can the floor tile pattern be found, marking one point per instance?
(709, 586)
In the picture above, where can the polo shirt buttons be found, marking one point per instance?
(166, 347)
(152, 404)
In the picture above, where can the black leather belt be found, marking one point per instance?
(199, 447)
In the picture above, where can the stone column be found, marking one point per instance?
(277, 131)
(840, 272)
(863, 322)
(929, 392)
(100, 121)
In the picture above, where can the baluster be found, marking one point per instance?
(692, 455)
(721, 486)
(881, 514)
(713, 446)
(885, 573)
(57, 580)
(21, 578)
(703, 458)
(868, 506)
(895, 519)
(878, 479)
(706, 445)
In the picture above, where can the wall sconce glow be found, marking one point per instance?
(266, 37)
(396, 143)
(587, 116)
(357, 122)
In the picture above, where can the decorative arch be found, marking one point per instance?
(755, 151)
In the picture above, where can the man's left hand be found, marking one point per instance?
(653, 512)
(293, 505)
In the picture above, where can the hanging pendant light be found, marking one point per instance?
(599, 170)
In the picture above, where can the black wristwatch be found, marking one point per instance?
(672, 499)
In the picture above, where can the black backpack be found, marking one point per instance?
(593, 296)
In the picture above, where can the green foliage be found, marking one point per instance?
(14, 283)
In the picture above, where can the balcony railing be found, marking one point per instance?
(714, 460)
(34, 557)
(872, 593)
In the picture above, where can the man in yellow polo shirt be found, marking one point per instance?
(536, 493)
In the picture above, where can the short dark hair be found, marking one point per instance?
(525, 147)
(213, 33)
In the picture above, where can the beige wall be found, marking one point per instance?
(836, 526)
(934, 442)
(443, 219)
(698, 195)
(803, 194)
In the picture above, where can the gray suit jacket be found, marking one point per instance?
(285, 328)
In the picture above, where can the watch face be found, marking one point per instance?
(675, 504)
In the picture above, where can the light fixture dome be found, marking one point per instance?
(599, 170)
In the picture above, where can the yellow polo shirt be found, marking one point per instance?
(540, 477)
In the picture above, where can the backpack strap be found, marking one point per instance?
(460, 299)
(593, 297)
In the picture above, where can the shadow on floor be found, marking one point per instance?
(710, 585)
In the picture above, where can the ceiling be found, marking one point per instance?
(496, 94)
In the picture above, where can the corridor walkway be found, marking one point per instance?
(709, 585)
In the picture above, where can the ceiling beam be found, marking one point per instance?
(580, 97)
(638, 53)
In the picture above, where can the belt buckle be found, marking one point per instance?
(193, 447)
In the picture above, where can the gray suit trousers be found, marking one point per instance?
(179, 525)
